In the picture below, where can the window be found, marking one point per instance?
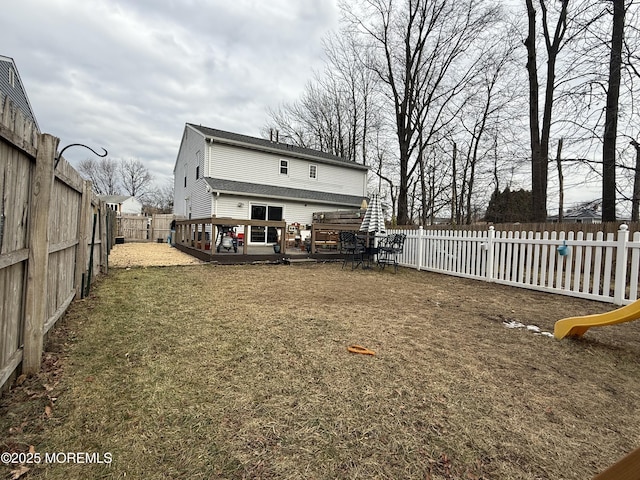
(197, 172)
(284, 167)
(185, 182)
(313, 172)
(12, 77)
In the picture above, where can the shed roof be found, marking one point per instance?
(269, 191)
(264, 145)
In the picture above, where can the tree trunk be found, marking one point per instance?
(611, 116)
(537, 188)
(454, 187)
(540, 140)
(635, 201)
(560, 182)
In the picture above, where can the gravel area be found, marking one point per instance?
(148, 255)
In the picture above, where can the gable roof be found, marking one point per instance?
(284, 149)
(269, 191)
(14, 88)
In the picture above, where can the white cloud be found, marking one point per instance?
(126, 75)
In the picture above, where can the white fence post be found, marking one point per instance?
(420, 247)
(490, 252)
(621, 265)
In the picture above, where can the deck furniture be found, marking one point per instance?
(353, 248)
(389, 248)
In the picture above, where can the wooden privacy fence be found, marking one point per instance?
(133, 227)
(53, 234)
(596, 266)
(161, 226)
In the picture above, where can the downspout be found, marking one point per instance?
(214, 200)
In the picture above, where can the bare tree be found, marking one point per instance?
(540, 134)
(487, 98)
(159, 198)
(336, 113)
(103, 174)
(135, 178)
(420, 45)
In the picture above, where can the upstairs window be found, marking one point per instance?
(313, 172)
(284, 167)
(197, 172)
(185, 182)
(12, 77)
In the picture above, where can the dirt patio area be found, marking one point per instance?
(243, 372)
(147, 254)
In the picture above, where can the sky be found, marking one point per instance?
(126, 75)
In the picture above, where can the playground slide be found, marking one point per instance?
(576, 326)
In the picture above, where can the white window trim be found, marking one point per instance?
(315, 170)
(12, 77)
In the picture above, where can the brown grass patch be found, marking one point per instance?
(243, 372)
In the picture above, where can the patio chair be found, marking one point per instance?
(352, 248)
(389, 249)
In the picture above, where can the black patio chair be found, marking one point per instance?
(389, 249)
(352, 247)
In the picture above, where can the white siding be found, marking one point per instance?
(132, 206)
(192, 199)
(243, 165)
(292, 212)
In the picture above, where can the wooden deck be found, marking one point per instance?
(260, 254)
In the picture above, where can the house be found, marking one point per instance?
(225, 174)
(123, 204)
(12, 88)
(579, 215)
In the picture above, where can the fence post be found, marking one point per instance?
(104, 246)
(420, 247)
(621, 265)
(35, 307)
(490, 252)
(83, 233)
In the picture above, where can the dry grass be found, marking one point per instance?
(242, 372)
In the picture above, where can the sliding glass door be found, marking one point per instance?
(261, 234)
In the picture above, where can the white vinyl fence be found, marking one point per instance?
(596, 268)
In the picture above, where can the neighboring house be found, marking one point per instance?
(581, 215)
(225, 174)
(123, 204)
(12, 87)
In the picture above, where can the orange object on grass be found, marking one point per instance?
(360, 349)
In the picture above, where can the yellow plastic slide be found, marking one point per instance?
(576, 326)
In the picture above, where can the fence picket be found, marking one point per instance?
(586, 275)
(633, 268)
(606, 284)
(597, 266)
(577, 263)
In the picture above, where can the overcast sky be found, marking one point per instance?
(127, 75)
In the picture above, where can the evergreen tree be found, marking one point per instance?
(509, 207)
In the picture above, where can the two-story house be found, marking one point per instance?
(225, 174)
(11, 87)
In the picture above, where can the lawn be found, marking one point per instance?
(209, 371)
